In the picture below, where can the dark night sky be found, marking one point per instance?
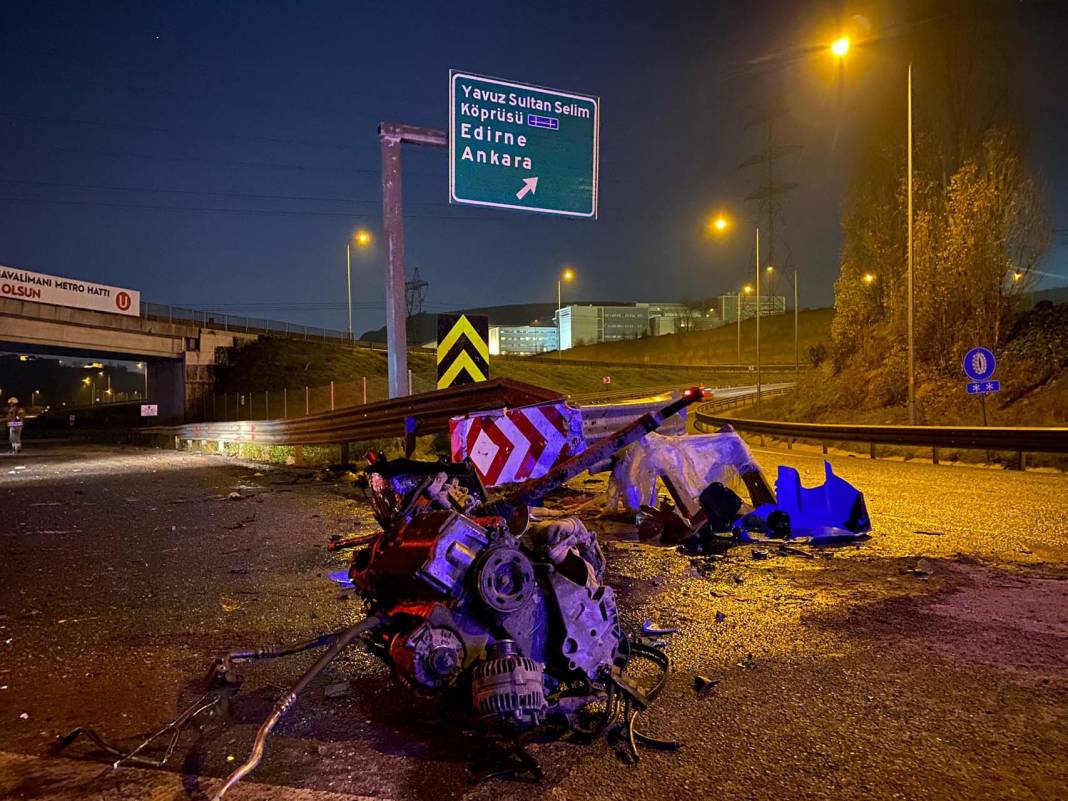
(220, 153)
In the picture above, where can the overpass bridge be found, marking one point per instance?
(181, 354)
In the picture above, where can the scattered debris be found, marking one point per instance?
(235, 496)
(787, 550)
(464, 592)
(704, 685)
(931, 533)
(759, 554)
(921, 568)
(24, 716)
(747, 662)
(720, 616)
(338, 690)
(649, 629)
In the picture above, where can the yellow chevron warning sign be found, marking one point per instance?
(463, 349)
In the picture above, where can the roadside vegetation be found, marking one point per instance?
(719, 345)
(274, 364)
(981, 230)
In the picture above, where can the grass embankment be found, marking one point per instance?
(1032, 369)
(271, 364)
(719, 345)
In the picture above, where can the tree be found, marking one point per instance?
(980, 225)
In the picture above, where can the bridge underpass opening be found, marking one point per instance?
(58, 381)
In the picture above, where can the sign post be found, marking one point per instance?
(979, 366)
(511, 146)
(519, 146)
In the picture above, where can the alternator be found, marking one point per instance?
(508, 689)
(428, 658)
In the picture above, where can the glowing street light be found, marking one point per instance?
(719, 224)
(839, 48)
(362, 238)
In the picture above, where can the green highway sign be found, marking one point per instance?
(517, 146)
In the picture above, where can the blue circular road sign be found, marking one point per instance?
(979, 364)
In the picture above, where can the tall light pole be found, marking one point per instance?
(912, 350)
(839, 48)
(362, 239)
(757, 284)
(797, 356)
(567, 275)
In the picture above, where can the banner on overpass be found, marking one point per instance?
(22, 284)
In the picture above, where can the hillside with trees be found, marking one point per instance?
(981, 229)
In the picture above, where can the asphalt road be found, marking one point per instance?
(850, 675)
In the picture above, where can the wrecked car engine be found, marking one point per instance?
(512, 618)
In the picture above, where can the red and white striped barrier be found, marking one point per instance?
(510, 445)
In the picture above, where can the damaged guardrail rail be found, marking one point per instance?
(426, 413)
(1014, 439)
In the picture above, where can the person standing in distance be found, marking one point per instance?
(15, 414)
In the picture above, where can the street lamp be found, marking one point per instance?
(839, 48)
(567, 275)
(362, 239)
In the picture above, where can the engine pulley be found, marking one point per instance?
(504, 578)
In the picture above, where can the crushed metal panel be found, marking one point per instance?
(512, 445)
(834, 509)
(689, 464)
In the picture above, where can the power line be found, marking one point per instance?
(111, 188)
(223, 210)
(171, 132)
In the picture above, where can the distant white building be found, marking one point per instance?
(590, 325)
(522, 340)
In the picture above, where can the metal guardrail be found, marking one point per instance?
(732, 367)
(736, 401)
(426, 413)
(1013, 439)
(262, 326)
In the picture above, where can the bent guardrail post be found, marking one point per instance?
(410, 426)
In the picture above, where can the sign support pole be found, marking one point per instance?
(391, 136)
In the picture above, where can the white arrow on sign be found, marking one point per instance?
(529, 185)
